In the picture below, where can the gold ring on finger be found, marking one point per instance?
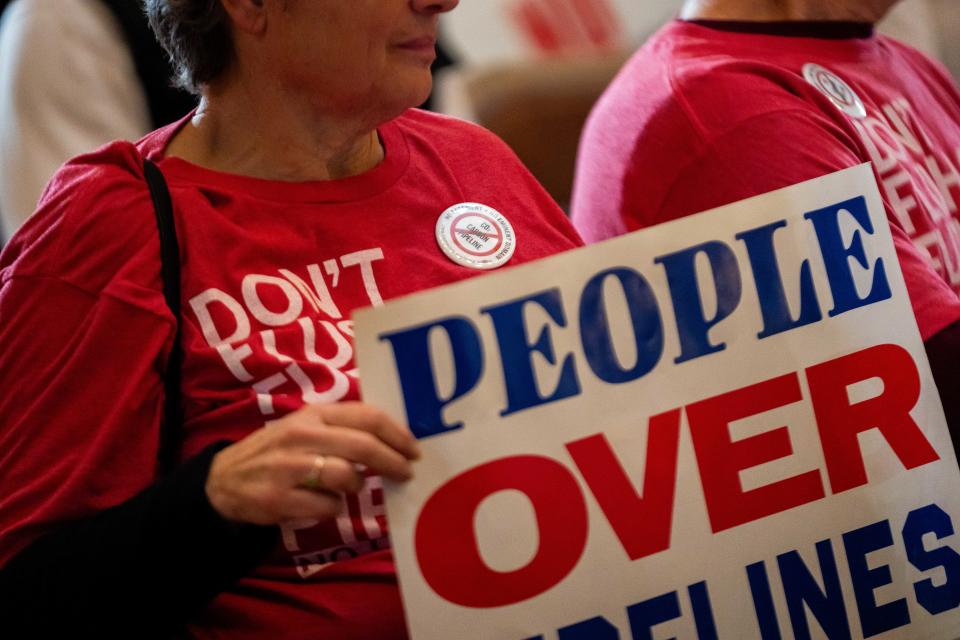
(312, 479)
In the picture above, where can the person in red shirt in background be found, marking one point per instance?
(303, 187)
(741, 97)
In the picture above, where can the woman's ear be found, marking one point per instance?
(248, 16)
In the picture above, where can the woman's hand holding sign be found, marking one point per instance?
(297, 467)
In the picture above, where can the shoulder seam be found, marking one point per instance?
(93, 295)
(710, 145)
(684, 104)
(89, 185)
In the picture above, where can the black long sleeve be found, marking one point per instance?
(138, 570)
(943, 352)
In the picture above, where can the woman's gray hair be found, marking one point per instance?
(196, 36)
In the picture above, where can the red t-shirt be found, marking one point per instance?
(271, 274)
(704, 116)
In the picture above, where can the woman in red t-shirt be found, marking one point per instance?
(302, 188)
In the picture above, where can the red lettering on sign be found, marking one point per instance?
(445, 537)
(641, 523)
(720, 459)
(446, 542)
(840, 422)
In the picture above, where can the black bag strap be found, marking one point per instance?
(171, 427)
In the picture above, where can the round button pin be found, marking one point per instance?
(476, 236)
(832, 86)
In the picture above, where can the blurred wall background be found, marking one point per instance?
(530, 70)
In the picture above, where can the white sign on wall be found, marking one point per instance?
(496, 31)
(721, 427)
(491, 31)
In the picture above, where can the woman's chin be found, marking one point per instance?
(412, 94)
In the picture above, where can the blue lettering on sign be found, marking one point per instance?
(692, 324)
(802, 592)
(516, 351)
(763, 601)
(649, 613)
(598, 628)
(770, 292)
(593, 629)
(836, 255)
(800, 588)
(874, 618)
(933, 519)
(595, 326)
(702, 611)
(644, 616)
(519, 352)
(411, 350)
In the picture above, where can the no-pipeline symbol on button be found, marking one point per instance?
(476, 234)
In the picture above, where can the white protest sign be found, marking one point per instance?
(721, 427)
